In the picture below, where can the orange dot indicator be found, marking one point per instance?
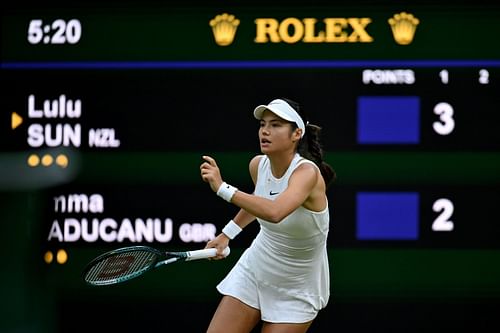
(33, 160)
(47, 160)
(48, 257)
(62, 160)
(62, 256)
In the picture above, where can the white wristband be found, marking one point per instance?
(226, 191)
(231, 230)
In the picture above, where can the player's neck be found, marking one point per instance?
(280, 163)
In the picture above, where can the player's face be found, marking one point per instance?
(275, 133)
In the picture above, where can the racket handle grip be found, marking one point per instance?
(206, 253)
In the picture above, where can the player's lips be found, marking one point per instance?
(264, 142)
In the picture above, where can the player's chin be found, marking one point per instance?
(264, 148)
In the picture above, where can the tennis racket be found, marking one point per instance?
(124, 264)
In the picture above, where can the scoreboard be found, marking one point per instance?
(107, 109)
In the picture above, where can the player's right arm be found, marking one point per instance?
(242, 218)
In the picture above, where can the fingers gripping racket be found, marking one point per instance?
(130, 262)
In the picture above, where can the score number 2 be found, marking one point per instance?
(445, 209)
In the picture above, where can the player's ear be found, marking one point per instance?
(297, 134)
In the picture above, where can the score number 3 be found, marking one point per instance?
(446, 123)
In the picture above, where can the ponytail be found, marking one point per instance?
(310, 147)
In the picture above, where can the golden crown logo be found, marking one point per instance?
(224, 28)
(403, 27)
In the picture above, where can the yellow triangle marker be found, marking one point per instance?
(16, 120)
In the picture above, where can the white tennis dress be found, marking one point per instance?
(285, 272)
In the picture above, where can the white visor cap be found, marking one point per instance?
(283, 110)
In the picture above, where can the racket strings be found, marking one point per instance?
(120, 266)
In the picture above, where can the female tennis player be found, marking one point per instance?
(282, 279)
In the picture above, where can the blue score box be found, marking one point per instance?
(388, 120)
(387, 216)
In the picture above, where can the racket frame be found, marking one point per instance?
(160, 258)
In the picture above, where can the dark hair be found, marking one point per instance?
(310, 145)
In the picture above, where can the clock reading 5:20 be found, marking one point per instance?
(57, 32)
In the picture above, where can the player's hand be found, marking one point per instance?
(210, 173)
(220, 243)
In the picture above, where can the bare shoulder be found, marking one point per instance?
(254, 162)
(307, 169)
(254, 165)
(306, 175)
